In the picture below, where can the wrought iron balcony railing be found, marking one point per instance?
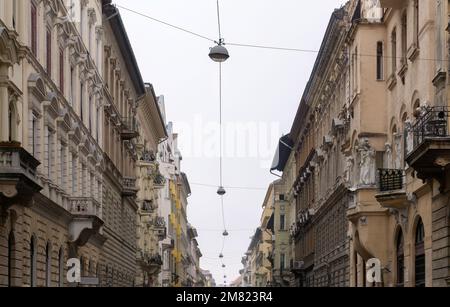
(159, 180)
(149, 258)
(391, 179)
(432, 123)
(148, 156)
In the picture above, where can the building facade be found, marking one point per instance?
(370, 147)
(79, 137)
(48, 213)
(151, 227)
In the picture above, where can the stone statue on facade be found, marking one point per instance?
(398, 140)
(388, 155)
(409, 136)
(367, 164)
(349, 165)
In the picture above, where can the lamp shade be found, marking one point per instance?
(221, 191)
(219, 54)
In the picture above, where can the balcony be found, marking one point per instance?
(86, 221)
(159, 226)
(84, 206)
(129, 129)
(430, 154)
(148, 157)
(392, 193)
(149, 206)
(149, 260)
(159, 181)
(18, 182)
(129, 188)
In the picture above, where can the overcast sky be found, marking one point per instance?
(261, 90)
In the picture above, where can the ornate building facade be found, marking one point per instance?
(370, 148)
(79, 137)
(47, 146)
(151, 225)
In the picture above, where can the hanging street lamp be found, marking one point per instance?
(225, 233)
(219, 53)
(221, 191)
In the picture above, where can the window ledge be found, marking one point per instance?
(403, 69)
(413, 52)
(392, 82)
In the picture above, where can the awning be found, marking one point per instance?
(282, 154)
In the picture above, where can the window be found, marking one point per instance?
(394, 51)
(90, 115)
(282, 222)
(416, 23)
(11, 259)
(33, 28)
(400, 260)
(61, 70)
(404, 37)
(61, 267)
(63, 165)
(282, 262)
(34, 134)
(90, 38)
(82, 267)
(48, 265)
(49, 152)
(49, 52)
(97, 125)
(74, 174)
(81, 101)
(92, 185)
(72, 85)
(14, 17)
(83, 182)
(380, 59)
(11, 117)
(82, 21)
(33, 262)
(420, 255)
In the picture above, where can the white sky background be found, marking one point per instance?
(259, 86)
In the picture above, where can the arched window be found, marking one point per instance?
(400, 260)
(11, 259)
(419, 263)
(33, 248)
(48, 265)
(61, 267)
